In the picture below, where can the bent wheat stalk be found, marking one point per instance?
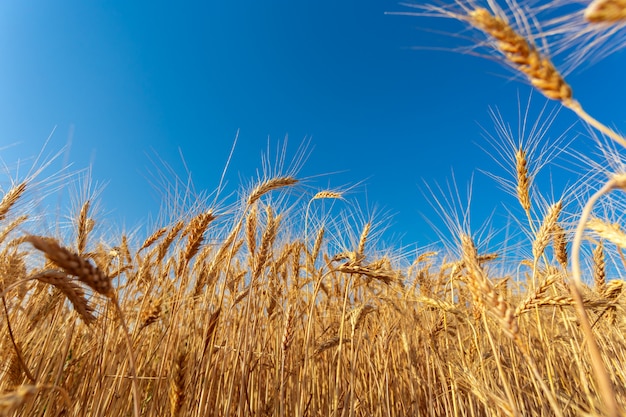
(604, 381)
(18, 351)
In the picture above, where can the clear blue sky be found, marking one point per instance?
(128, 79)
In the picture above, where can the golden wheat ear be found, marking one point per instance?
(606, 11)
(523, 180)
(327, 194)
(73, 292)
(10, 198)
(524, 56)
(9, 402)
(269, 185)
(73, 264)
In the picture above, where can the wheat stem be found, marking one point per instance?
(604, 381)
(577, 108)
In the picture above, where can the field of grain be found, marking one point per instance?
(269, 308)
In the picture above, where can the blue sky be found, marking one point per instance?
(130, 80)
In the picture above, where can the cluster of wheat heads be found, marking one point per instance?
(240, 312)
(251, 318)
(513, 32)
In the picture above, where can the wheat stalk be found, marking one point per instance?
(607, 391)
(287, 338)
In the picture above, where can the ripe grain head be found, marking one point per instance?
(522, 55)
(606, 11)
(73, 264)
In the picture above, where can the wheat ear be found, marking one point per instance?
(197, 228)
(599, 269)
(610, 232)
(538, 297)
(10, 198)
(92, 276)
(360, 252)
(251, 224)
(546, 230)
(9, 402)
(195, 233)
(267, 240)
(483, 291)
(151, 315)
(559, 242)
(543, 235)
(152, 239)
(327, 194)
(73, 264)
(523, 55)
(606, 11)
(73, 292)
(317, 246)
(163, 247)
(177, 383)
(539, 70)
(12, 226)
(269, 185)
(523, 180)
(85, 226)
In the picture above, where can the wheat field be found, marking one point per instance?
(268, 308)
